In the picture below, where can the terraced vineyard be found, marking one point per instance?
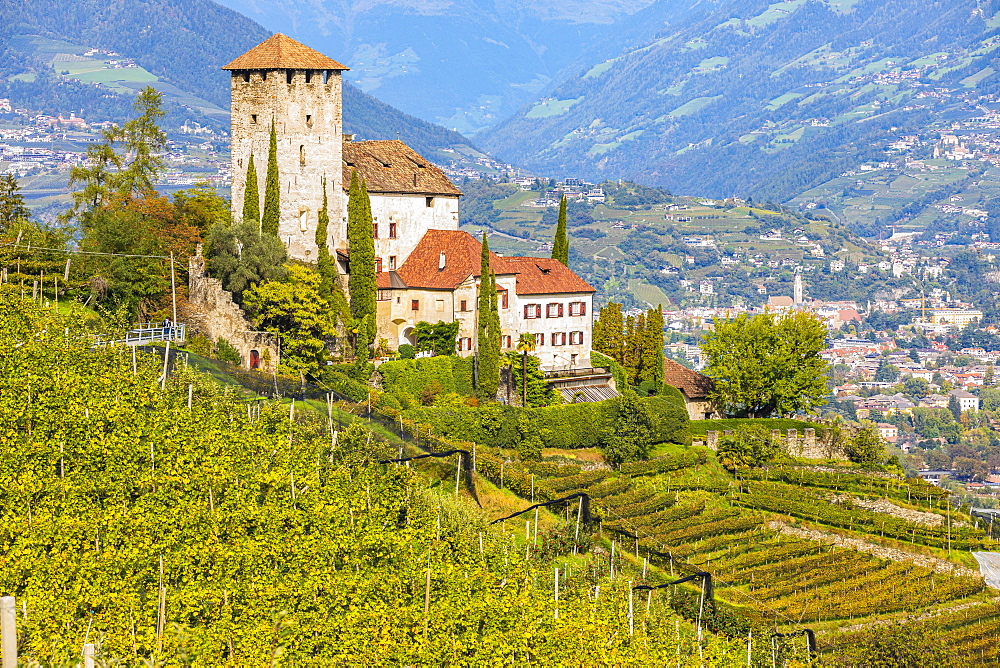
(789, 546)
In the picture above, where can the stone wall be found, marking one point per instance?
(808, 444)
(307, 110)
(217, 316)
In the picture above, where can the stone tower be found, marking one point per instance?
(798, 293)
(299, 89)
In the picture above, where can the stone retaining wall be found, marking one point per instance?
(808, 444)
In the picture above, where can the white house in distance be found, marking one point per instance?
(428, 269)
(966, 400)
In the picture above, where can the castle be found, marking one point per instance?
(427, 268)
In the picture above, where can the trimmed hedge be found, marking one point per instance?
(568, 426)
(345, 385)
(618, 372)
(453, 374)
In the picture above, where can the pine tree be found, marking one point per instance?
(488, 350)
(12, 207)
(329, 286)
(272, 189)
(362, 283)
(560, 244)
(251, 196)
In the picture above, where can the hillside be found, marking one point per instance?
(757, 98)
(44, 64)
(464, 65)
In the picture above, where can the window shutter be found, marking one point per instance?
(560, 310)
(526, 307)
(583, 309)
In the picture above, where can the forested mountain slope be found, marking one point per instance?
(182, 43)
(758, 97)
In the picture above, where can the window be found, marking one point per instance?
(532, 311)
(375, 229)
(414, 304)
(253, 118)
(502, 294)
(507, 341)
(464, 305)
(309, 76)
(553, 310)
(578, 308)
(302, 156)
(559, 338)
(430, 200)
(539, 340)
(246, 77)
(576, 338)
(385, 295)
(392, 263)
(309, 120)
(465, 343)
(439, 305)
(392, 230)
(378, 264)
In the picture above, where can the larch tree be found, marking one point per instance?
(272, 188)
(251, 196)
(362, 283)
(560, 243)
(488, 350)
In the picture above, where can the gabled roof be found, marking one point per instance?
(544, 276)
(390, 166)
(694, 385)
(461, 251)
(280, 52)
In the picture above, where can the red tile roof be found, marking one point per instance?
(391, 166)
(461, 259)
(280, 52)
(694, 385)
(544, 276)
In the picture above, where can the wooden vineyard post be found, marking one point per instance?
(458, 473)
(8, 631)
(427, 598)
(166, 358)
(631, 596)
(173, 296)
(190, 394)
(612, 560)
(579, 514)
(556, 588)
(88, 655)
(536, 527)
(749, 646)
(134, 370)
(162, 611)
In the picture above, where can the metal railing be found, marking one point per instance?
(148, 332)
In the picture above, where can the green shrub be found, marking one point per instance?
(343, 384)
(583, 425)
(618, 372)
(407, 351)
(200, 345)
(226, 352)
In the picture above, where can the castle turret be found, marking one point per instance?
(300, 90)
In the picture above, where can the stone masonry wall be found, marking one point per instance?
(219, 317)
(808, 445)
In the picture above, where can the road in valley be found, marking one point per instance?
(989, 566)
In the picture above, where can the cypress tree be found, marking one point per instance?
(560, 244)
(329, 287)
(272, 189)
(488, 351)
(251, 196)
(652, 348)
(608, 338)
(361, 283)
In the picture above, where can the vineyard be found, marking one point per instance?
(179, 520)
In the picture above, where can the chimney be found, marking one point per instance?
(441, 262)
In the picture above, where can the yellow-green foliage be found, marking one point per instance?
(275, 548)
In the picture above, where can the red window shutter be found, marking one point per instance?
(526, 307)
(538, 310)
(375, 229)
(583, 309)
(560, 310)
